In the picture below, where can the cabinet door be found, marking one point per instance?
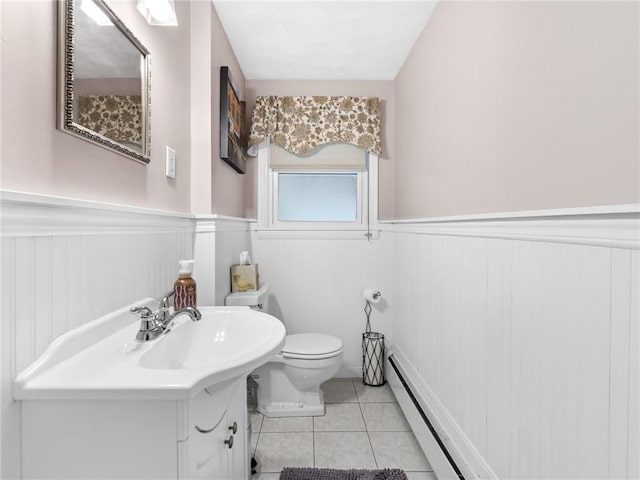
(208, 432)
(216, 447)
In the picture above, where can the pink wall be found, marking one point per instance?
(382, 89)
(185, 62)
(106, 86)
(505, 106)
(201, 95)
(215, 186)
(38, 158)
(500, 106)
(228, 186)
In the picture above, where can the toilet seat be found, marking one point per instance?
(311, 346)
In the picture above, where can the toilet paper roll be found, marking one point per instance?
(371, 295)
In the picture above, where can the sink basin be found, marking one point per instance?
(218, 338)
(101, 360)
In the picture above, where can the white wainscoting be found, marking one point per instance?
(522, 336)
(66, 262)
(316, 286)
(218, 243)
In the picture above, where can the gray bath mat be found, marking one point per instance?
(332, 474)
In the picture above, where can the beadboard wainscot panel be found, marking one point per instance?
(66, 262)
(520, 334)
(218, 243)
(317, 280)
(633, 455)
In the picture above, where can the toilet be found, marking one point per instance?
(289, 384)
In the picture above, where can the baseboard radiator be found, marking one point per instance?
(441, 460)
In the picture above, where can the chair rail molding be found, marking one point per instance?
(616, 226)
(221, 223)
(33, 215)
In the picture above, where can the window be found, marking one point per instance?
(333, 189)
(316, 197)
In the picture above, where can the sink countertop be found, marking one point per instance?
(101, 360)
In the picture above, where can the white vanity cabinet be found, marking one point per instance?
(141, 439)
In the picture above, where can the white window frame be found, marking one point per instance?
(367, 209)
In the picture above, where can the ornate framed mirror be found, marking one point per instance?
(103, 79)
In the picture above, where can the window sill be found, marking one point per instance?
(314, 233)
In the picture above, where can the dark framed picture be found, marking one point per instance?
(232, 113)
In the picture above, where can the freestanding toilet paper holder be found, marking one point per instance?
(372, 346)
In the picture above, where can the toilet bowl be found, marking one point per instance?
(289, 383)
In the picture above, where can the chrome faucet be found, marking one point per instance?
(193, 312)
(155, 324)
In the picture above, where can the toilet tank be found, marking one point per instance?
(255, 299)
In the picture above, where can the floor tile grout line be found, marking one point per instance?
(368, 436)
(341, 431)
(353, 383)
(377, 403)
(313, 441)
(255, 450)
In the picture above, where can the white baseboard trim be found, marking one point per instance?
(436, 456)
(462, 451)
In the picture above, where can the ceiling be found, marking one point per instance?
(322, 39)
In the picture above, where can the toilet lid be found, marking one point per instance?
(311, 345)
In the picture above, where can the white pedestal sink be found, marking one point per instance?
(97, 404)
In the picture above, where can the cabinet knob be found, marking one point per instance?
(229, 441)
(234, 427)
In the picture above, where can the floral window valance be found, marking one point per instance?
(118, 117)
(300, 124)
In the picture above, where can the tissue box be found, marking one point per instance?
(244, 278)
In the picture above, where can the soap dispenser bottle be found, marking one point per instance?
(185, 286)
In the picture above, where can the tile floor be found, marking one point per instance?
(363, 428)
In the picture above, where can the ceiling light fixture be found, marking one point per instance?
(95, 13)
(158, 12)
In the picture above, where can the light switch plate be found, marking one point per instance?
(170, 157)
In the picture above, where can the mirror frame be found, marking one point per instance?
(66, 36)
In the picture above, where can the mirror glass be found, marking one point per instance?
(105, 79)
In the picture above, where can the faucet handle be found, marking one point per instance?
(164, 303)
(149, 328)
(144, 311)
